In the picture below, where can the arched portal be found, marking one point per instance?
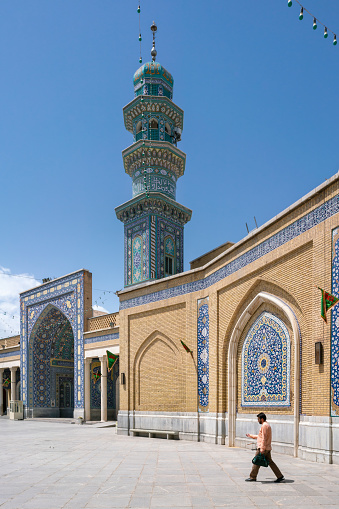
(51, 350)
(262, 297)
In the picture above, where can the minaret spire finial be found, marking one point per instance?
(154, 28)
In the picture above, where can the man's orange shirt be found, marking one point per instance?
(264, 439)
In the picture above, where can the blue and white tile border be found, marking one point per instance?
(107, 337)
(298, 227)
(203, 354)
(67, 295)
(335, 327)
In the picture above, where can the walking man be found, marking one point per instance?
(264, 440)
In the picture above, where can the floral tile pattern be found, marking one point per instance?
(335, 327)
(265, 364)
(203, 354)
(64, 298)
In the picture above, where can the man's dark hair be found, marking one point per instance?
(262, 416)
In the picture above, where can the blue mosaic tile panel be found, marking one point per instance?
(153, 253)
(203, 354)
(265, 364)
(66, 295)
(335, 327)
(157, 181)
(96, 385)
(313, 218)
(136, 256)
(106, 337)
(8, 354)
(52, 338)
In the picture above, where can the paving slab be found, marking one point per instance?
(51, 464)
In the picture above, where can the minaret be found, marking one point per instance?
(153, 219)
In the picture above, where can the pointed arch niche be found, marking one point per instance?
(159, 378)
(51, 357)
(244, 319)
(265, 363)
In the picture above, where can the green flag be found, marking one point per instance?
(186, 347)
(111, 359)
(327, 302)
(96, 375)
(6, 383)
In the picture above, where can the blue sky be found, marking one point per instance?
(259, 91)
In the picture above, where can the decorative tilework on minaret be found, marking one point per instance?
(153, 219)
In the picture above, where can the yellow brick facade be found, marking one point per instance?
(162, 377)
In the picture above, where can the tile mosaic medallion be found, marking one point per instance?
(203, 354)
(335, 327)
(51, 344)
(265, 364)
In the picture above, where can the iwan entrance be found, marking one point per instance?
(51, 352)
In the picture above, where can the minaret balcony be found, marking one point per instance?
(161, 154)
(153, 203)
(152, 104)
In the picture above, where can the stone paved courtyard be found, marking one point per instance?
(52, 465)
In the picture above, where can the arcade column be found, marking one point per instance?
(103, 361)
(13, 382)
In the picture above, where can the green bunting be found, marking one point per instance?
(186, 347)
(327, 302)
(111, 359)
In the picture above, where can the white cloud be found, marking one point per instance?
(100, 308)
(10, 287)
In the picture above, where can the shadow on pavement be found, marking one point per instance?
(285, 481)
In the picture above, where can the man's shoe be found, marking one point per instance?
(250, 479)
(280, 479)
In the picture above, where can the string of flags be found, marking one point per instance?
(315, 21)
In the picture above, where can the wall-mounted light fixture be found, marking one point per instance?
(319, 353)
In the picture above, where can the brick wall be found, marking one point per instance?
(163, 377)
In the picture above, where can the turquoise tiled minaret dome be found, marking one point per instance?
(153, 219)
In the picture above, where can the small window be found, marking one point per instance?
(139, 127)
(169, 256)
(153, 89)
(153, 124)
(168, 265)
